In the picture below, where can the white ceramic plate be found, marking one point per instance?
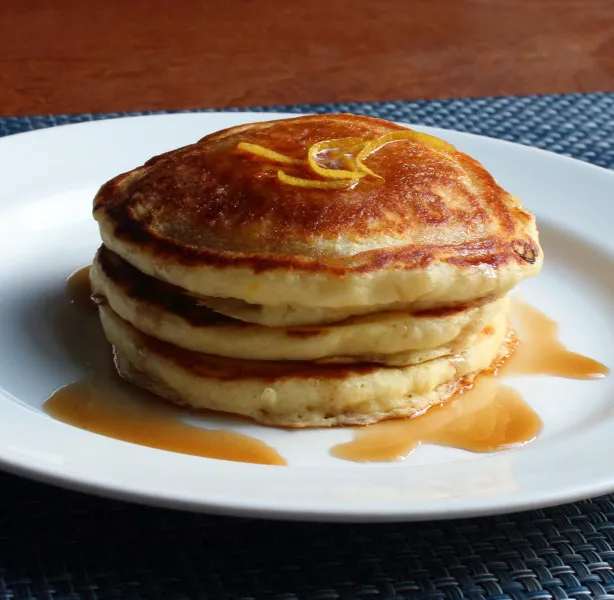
(46, 231)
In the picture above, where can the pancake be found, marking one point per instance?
(169, 314)
(296, 394)
(431, 226)
(294, 315)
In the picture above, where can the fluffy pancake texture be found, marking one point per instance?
(310, 272)
(167, 313)
(296, 394)
(435, 228)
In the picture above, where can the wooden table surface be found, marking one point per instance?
(70, 56)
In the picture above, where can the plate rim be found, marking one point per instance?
(257, 114)
(273, 511)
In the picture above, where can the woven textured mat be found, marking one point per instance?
(579, 125)
(62, 545)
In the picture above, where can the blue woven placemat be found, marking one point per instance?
(62, 545)
(579, 125)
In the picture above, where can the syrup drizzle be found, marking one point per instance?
(541, 353)
(486, 417)
(107, 408)
(78, 290)
(490, 416)
(103, 403)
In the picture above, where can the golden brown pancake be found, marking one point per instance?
(168, 313)
(258, 270)
(296, 394)
(433, 228)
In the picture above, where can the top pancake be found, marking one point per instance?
(218, 222)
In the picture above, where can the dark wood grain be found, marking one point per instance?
(68, 56)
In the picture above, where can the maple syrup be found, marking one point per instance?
(485, 417)
(490, 416)
(79, 291)
(106, 408)
(540, 352)
(103, 403)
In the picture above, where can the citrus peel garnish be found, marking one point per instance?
(312, 157)
(350, 165)
(331, 184)
(351, 151)
(270, 154)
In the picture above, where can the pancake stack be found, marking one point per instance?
(308, 272)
